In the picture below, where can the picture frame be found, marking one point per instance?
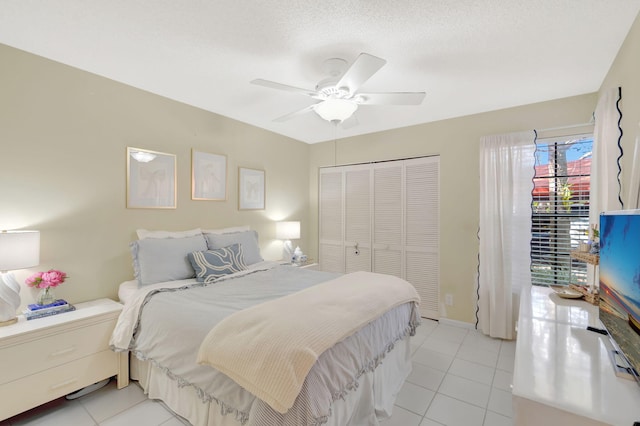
(208, 176)
(251, 189)
(151, 179)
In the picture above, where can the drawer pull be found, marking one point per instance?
(63, 384)
(63, 351)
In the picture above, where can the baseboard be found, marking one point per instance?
(456, 323)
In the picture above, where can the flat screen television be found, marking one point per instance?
(620, 287)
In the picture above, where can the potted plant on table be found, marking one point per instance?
(46, 281)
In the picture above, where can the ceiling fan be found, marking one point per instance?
(338, 96)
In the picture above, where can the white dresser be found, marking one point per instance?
(562, 373)
(46, 358)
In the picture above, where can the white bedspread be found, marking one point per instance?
(269, 348)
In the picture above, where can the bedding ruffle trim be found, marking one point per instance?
(225, 409)
(369, 367)
(351, 386)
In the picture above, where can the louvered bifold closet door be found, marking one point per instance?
(387, 219)
(357, 216)
(331, 250)
(422, 230)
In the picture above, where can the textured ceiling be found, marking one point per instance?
(469, 56)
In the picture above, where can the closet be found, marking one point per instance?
(384, 217)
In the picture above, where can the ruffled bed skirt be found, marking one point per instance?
(369, 403)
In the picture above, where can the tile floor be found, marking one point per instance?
(460, 377)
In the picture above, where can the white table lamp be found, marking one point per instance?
(18, 250)
(287, 231)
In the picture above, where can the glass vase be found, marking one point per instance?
(45, 296)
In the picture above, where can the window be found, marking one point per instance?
(560, 209)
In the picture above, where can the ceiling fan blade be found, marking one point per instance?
(296, 113)
(280, 86)
(392, 98)
(360, 71)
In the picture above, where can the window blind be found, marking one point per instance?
(560, 209)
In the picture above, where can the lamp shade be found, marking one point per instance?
(19, 249)
(288, 230)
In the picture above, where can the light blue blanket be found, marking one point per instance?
(172, 322)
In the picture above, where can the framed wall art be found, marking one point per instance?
(151, 179)
(208, 176)
(251, 184)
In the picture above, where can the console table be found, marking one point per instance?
(563, 374)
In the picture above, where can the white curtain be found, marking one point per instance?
(605, 187)
(633, 195)
(506, 181)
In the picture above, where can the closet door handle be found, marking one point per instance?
(357, 250)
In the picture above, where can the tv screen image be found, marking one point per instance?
(620, 283)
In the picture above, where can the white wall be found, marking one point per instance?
(625, 73)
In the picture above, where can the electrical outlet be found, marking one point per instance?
(448, 299)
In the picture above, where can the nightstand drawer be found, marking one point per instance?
(55, 349)
(28, 392)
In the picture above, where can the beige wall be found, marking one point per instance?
(625, 73)
(64, 133)
(456, 141)
(63, 139)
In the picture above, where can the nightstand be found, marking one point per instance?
(46, 358)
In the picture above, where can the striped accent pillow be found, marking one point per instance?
(213, 264)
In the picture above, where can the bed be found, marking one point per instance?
(166, 326)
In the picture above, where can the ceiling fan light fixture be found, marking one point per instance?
(338, 96)
(336, 109)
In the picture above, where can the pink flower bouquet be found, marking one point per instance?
(51, 278)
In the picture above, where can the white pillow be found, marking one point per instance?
(226, 230)
(144, 234)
